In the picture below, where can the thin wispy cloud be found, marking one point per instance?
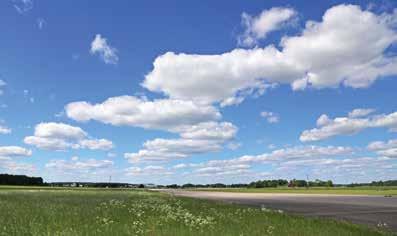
(4, 130)
(106, 52)
(271, 117)
(2, 85)
(41, 23)
(23, 6)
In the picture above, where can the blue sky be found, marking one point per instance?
(198, 92)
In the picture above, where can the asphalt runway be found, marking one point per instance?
(360, 209)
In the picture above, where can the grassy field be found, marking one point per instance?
(384, 191)
(42, 211)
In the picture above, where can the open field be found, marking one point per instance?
(313, 190)
(41, 211)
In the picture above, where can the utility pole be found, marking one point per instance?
(307, 179)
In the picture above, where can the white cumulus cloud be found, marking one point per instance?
(13, 151)
(164, 114)
(197, 139)
(257, 27)
(96, 144)
(387, 149)
(60, 136)
(348, 125)
(337, 50)
(162, 150)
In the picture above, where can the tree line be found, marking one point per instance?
(375, 183)
(274, 183)
(6, 179)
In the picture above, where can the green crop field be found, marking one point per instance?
(43, 211)
(384, 191)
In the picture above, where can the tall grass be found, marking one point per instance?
(127, 212)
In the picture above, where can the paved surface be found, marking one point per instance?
(361, 209)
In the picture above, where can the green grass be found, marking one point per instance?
(42, 211)
(314, 190)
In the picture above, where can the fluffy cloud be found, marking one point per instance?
(326, 54)
(257, 27)
(219, 78)
(12, 151)
(60, 136)
(195, 123)
(49, 143)
(388, 149)
(209, 130)
(334, 51)
(164, 114)
(101, 47)
(59, 131)
(271, 117)
(348, 125)
(196, 139)
(171, 149)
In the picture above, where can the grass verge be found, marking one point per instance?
(129, 212)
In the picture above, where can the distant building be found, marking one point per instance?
(150, 185)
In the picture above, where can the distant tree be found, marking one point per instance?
(218, 185)
(173, 186)
(297, 183)
(329, 183)
(267, 183)
(188, 185)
